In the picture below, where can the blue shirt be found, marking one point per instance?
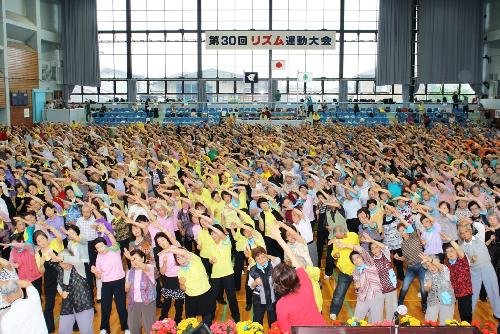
(395, 188)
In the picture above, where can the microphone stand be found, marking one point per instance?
(395, 321)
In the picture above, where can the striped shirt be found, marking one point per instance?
(411, 248)
(368, 278)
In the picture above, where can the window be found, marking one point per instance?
(111, 15)
(360, 55)
(113, 55)
(235, 14)
(164, 51)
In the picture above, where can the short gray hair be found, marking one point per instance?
(9, 287)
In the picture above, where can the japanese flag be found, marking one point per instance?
(278, 64)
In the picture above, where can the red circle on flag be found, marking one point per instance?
(279, 64)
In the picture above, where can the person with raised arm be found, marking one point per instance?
(346, 267)
(222, 268)
(193, 280)
(460, 276)
(77, 298)
(47, 267)
(141, 287)
(481, 268)
(410, 248)
(260, 282)
(440, 298)
(109, 269)
(366, 282)
(168, 268)
(382, 258)
(296, 306)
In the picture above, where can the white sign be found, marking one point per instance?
(304, 77)
(270, 39)
(497, 113)
(278, 65)
(26, 113)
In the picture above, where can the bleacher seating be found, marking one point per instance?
(370, 116)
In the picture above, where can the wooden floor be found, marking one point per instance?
(483, 310)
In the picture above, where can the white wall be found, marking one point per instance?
(16, 6)
(49, 16)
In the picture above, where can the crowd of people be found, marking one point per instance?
(149, 216)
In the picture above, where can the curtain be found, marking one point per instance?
(477, 88)
(66, 91)
(450, 41)
(79, 43)
(394, 42)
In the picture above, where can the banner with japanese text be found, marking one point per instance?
(270, 39)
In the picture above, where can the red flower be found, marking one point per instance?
(490, 325)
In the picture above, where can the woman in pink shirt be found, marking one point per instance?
(166, 218)
(141, 287)
(109, 269)
(168, 268)
(297, 306)
(23, 259)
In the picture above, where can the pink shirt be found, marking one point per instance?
(168, 223)
(172, 267)
(150, 273)
(110, 265)
(196, 229)
(27, 269)
(299, 308)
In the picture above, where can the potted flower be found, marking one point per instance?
(223, 327)
(165, 326)
(249, 327)
(187, 325)
(408, 320)
(356, 322)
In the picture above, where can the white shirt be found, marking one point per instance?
(363, 191)
(25, 315)
(305, 229)
(135, 211)
(351, 208)
(481, 231)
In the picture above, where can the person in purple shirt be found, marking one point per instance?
(54, 218)
(100, 219)
(431, 237)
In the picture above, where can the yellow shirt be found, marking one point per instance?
(196, 278)
(246, 219)
(216, 208)
(223, 265)
(242, 197)
(205, 196)
(344, 262)
(266, 175)
(269, 222)
(56, 245)
(314, 273)
(205, 242)
(242, 243)
(230, 216)
(181, 187)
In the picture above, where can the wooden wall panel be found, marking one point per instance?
(23, 76)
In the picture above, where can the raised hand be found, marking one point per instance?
(444, 237)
